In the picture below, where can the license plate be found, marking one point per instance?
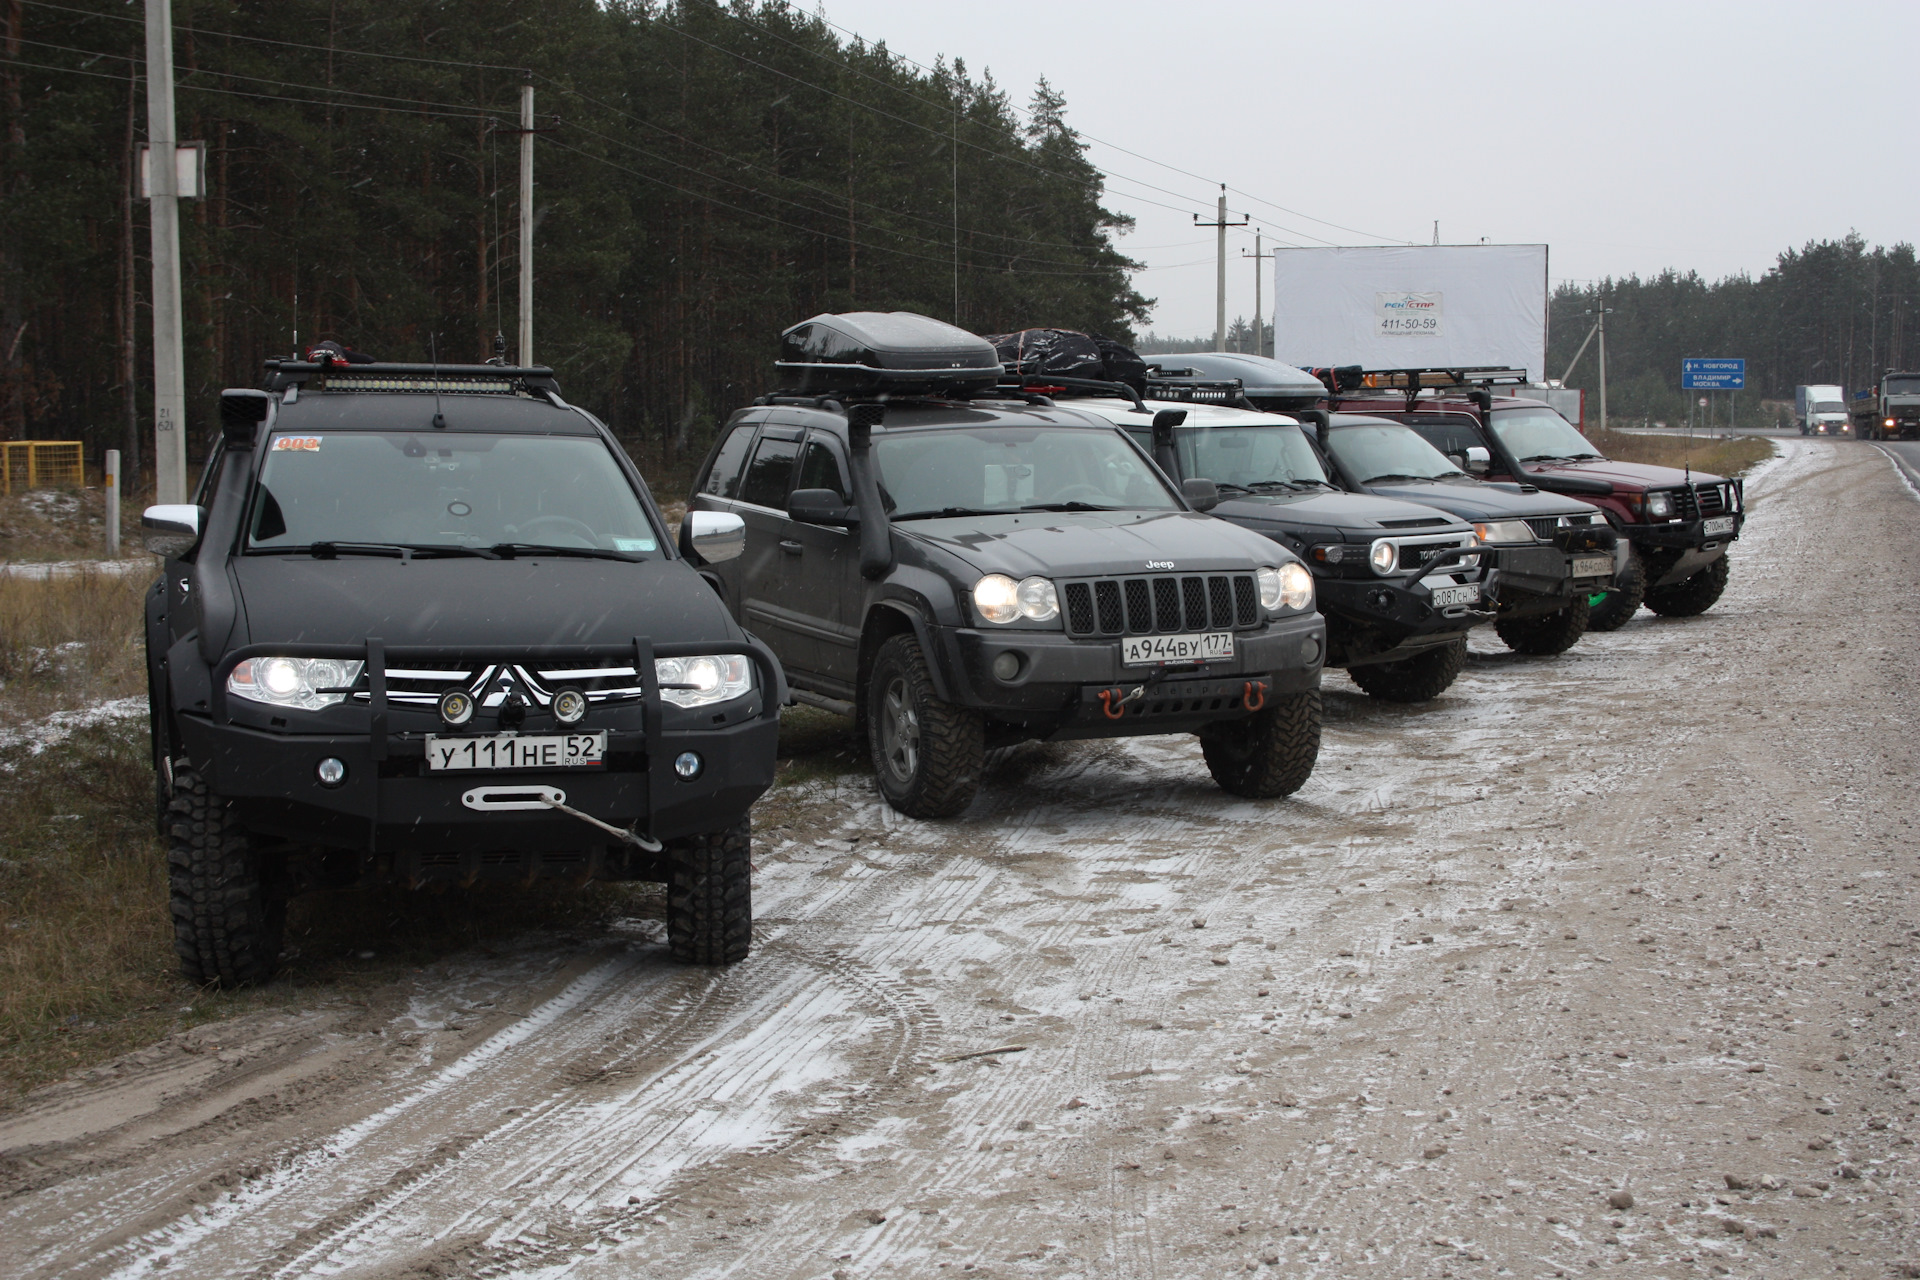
(1716, 526)
(516, 751)
(1141, 651)
(1592, 566)
(1456, 595)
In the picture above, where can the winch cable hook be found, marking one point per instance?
(1113, 702)
(633, 838)
(1254, 696)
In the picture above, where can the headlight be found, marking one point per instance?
(306, 684)
(1296, 586)
(1502, 531)
(1267, 579)
(1383, 556)
(997, 597)
(705, 680)
(1038, 600)
(1659, 506)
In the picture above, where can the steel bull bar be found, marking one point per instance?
(641, 650)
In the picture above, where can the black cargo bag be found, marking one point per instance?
(1068, 353)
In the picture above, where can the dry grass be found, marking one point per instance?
(64, 524)
(68, 641)
(1728, 456)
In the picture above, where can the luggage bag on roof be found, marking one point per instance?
(1068, 353)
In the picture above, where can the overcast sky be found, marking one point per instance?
(1628, 137)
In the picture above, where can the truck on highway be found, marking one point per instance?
(1821, 410)
(1888, 410)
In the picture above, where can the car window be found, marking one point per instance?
(1385, 452)
(449, 489)
(1248, 456)
(765, 484)
(1540, 435)
(1015, 468)
(723, 478)
(820, 469)
(1452, 434)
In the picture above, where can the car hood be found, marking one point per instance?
(1481, 501)
(1622, 475)
(1364, 514)
(1095, 544)
(525, 601)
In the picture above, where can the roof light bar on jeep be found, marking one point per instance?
(442, 379)
(1174, 384)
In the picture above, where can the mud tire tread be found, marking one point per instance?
(1421, 678)
(1544, 635)
(710, 895)
(227, 921)
(1624, 600)
(1268, 754)
(953, 740)
(1693, 596)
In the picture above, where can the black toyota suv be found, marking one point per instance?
(1399, 584)
(1549, 553)
(960, 567)
(423, 624)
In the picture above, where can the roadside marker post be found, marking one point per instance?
(111, 483)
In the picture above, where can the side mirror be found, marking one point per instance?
(1201, 494)
(820, 506)
(171, 528)
(716, 535)
(1479, 461)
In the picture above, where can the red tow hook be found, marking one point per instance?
(1113, 702)
(1255, 695)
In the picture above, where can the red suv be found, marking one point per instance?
(1679, 523)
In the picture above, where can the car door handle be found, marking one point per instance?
(791, 547)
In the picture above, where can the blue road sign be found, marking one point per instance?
(1713, 375)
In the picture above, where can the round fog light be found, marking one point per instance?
(456, 706)
(688, 765)
(1006, 666)
(331, 772)
(569, 706)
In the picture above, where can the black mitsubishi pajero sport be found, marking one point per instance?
(961, 567)
(424, 624)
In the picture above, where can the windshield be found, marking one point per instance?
(1903, 387)
(958, 471)
(446, 490)
(1828, 406)
(1249, 457)
(1540, 435)
(1387, 451)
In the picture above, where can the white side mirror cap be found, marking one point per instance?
(716, 535)
(171, 528)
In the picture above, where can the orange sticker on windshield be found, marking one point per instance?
(296, 444)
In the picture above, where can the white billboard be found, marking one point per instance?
(1412, 307)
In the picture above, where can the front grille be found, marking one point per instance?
(421, 685)
(1702, 500)
(1546, 526)
(1166, 604)
(1412, 553)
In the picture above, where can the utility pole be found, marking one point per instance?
(526, 225)
(1259, 324)
(169, 369)
(1600, 326)
(1221, 224)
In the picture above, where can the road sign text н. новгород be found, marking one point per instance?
(1713, 375)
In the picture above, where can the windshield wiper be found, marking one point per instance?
(1068, 506)
(1228, 484)
(1391, 476)
(329, 550)
(1261, 486)
(508, 550)
(944, 512)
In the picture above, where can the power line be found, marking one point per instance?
(256, 97)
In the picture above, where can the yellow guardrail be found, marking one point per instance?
(41, 464)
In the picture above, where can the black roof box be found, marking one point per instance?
(885, 353)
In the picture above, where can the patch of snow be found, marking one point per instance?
(61, 725)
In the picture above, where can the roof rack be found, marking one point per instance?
(1440, 379)
(442, 379)
(1179, 384)
(1041, 384)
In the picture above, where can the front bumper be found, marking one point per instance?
(1385, 619)
(1543, 577)
(1058, 671)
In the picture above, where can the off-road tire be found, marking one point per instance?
(710, 895)
(228, 914)
(1610, 610)
(939, 776)
(1268, 754)
(1420, 678)
(1545, 634)
(1692, 596)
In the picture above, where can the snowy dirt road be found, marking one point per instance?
(1637, 922)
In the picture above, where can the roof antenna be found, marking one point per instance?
(499, 349)
(433, 354)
